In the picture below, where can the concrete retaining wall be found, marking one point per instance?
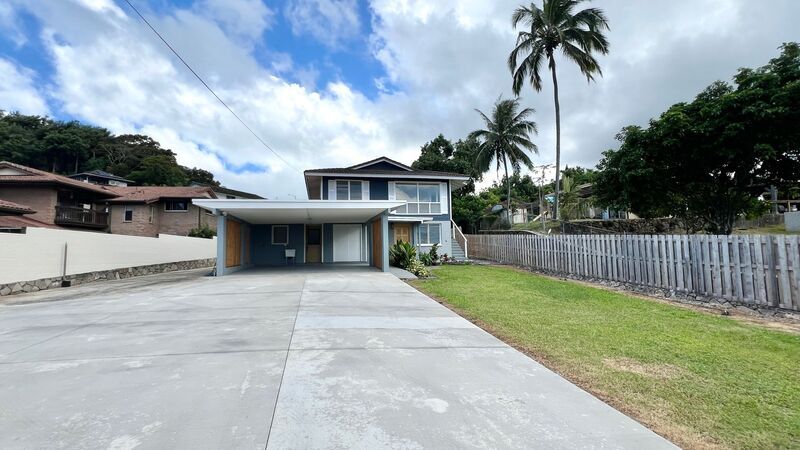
(114, 274)
(39, 253)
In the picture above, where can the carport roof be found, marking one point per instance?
(299, 211)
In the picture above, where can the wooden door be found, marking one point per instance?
(313, 244)
(402, 232)
(233, 243)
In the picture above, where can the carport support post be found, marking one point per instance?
(385, 240)
(220, 245)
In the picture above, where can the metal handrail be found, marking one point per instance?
(463, 238)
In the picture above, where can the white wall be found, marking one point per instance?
(39, 253)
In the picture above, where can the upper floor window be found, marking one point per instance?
(348, 190)
(421, 198)
(176, 205)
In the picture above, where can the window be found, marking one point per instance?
(176, 205)
(152, 215)
(280, 235)
(430, 233)
(421, 198)
(348, 190)
(127, 214)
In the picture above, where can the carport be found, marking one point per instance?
(267, 232)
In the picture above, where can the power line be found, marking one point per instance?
(209, 87)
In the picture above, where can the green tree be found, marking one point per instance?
(506, 138)
(468, 210)
(704, 162)
(442, 155)
(556, 26)
(160, 170)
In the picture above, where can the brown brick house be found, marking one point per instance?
(55, 199)
(13, 218)
(153, 210)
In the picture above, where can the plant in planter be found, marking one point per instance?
(401, 254)
(418, 268)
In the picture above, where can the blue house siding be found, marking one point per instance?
(327, 242)
(378, 188)
(263, 253)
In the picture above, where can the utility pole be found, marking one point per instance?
(542, 207)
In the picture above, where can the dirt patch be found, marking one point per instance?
(659, 371)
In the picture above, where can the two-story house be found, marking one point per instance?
(352, 216)
(55, 199)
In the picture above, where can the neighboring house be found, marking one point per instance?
(154, 210)
(13, 218)
(101, 177)
(55, 199)
(227, 193)
(352, 216)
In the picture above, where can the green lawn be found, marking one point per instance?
(702, 380)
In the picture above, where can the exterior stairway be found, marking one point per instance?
(458, 252)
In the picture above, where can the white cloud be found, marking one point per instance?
(243, 18)
(18, 91)
(441, 59)
(331, 22)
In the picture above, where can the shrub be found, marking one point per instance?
(426, 259)
(203, 231)
(401, 254)
(434, 253)
(418, 269)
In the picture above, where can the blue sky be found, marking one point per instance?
(334, 82)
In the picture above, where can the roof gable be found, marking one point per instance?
(382, 163)
(17, 173)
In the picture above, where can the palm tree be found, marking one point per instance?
(506, 139)
(555, 26)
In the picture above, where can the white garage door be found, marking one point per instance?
(347, 242)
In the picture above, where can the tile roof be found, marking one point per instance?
(16, 208)
(22, 222)
(224, 190)
(151, 194)
(37, 176)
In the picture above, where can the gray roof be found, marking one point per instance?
(101, 174)
(404, 173)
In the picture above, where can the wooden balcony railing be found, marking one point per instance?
(80, 217)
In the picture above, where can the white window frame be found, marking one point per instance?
(404, 209)
(428, 225)
(176, 210)
(152, 212)
(125, 210)
(349, 188)
(286, 227)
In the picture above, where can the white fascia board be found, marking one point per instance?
(409, 219)
(226, 204)
(399, 175)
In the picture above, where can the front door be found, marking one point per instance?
(402, 232)
(313, 244)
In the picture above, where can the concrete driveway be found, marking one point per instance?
(350, 358)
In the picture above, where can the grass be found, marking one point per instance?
(699, 379)
(767, 229)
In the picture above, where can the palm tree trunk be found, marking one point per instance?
(558, 136)
(508, 199)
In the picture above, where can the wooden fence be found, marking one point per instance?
(759, 270)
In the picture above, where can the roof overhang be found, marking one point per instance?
(412, 219)
(298, 211)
